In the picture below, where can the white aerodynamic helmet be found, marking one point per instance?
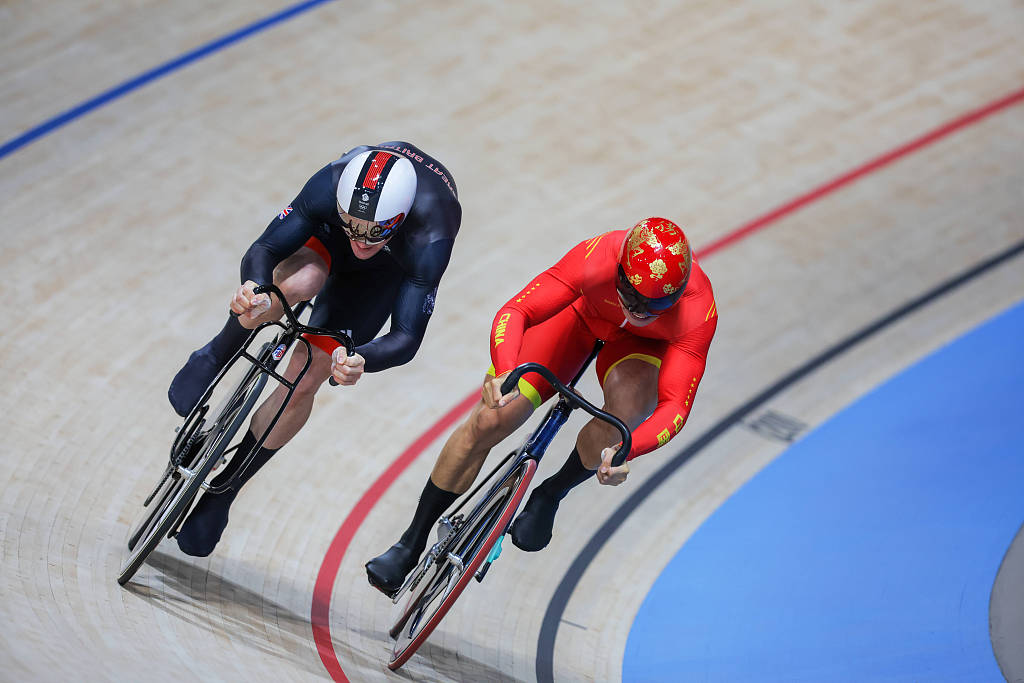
(376, 186)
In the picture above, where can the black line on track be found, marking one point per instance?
(556, 607)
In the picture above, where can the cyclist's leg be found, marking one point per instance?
(630, 393)
(628, 371)
(204, 526)
(464, 452)
(295, 414)
(300, 277)
(561, 344)
(461, 458)
(360, 302)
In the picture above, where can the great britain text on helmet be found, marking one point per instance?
(429, 165)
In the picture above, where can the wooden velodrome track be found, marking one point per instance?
(123, 229)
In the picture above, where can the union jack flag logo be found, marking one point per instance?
(287, 210)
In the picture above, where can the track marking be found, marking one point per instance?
(153, 74)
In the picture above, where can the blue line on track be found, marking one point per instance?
(155, 73)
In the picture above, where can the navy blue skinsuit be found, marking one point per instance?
(401, 280)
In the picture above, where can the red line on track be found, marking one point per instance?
(861, 171)
(324, 586)
(323, 589)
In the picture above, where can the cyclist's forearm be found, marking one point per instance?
(390, 350)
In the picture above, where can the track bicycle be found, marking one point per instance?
(470, 536)
(202, 441)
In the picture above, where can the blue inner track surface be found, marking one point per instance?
(868, 550)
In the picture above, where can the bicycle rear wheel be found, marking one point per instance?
(180, 484)
(437, 590)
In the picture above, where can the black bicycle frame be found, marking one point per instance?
(291, 331)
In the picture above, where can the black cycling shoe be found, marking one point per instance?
(387, 572)
(188, 385)
(202, 530)
(532, 529)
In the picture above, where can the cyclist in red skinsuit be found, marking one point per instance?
(574, 303)
(656, 333)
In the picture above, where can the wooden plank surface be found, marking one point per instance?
(123, 231)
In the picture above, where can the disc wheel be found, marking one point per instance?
(427, 603)
(180, 484)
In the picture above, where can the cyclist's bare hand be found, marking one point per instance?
(492, 392)
(608, 475)
(346, 369)
(244, 302)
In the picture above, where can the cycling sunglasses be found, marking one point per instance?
(640, 305)
(374, 234)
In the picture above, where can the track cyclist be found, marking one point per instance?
(370, 235)
(643, 294)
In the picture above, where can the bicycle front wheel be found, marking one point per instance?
(437, 591)
(181, 484)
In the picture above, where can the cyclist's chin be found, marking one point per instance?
(364, 251)
(637, 321)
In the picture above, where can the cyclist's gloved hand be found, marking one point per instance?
(492, 392)
(346, 369)
(244, 302)
(608, 475)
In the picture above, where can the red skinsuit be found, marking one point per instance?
(556, 318)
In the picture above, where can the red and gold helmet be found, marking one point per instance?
(654, 266)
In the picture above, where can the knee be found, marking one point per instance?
(319, 370)
(482, 425)
(301, 276)
(485, 428)
(307, 387)
(302, 286)
(631, 393)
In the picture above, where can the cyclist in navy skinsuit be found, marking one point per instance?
(370, 235)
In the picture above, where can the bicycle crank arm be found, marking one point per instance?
(414, 577)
